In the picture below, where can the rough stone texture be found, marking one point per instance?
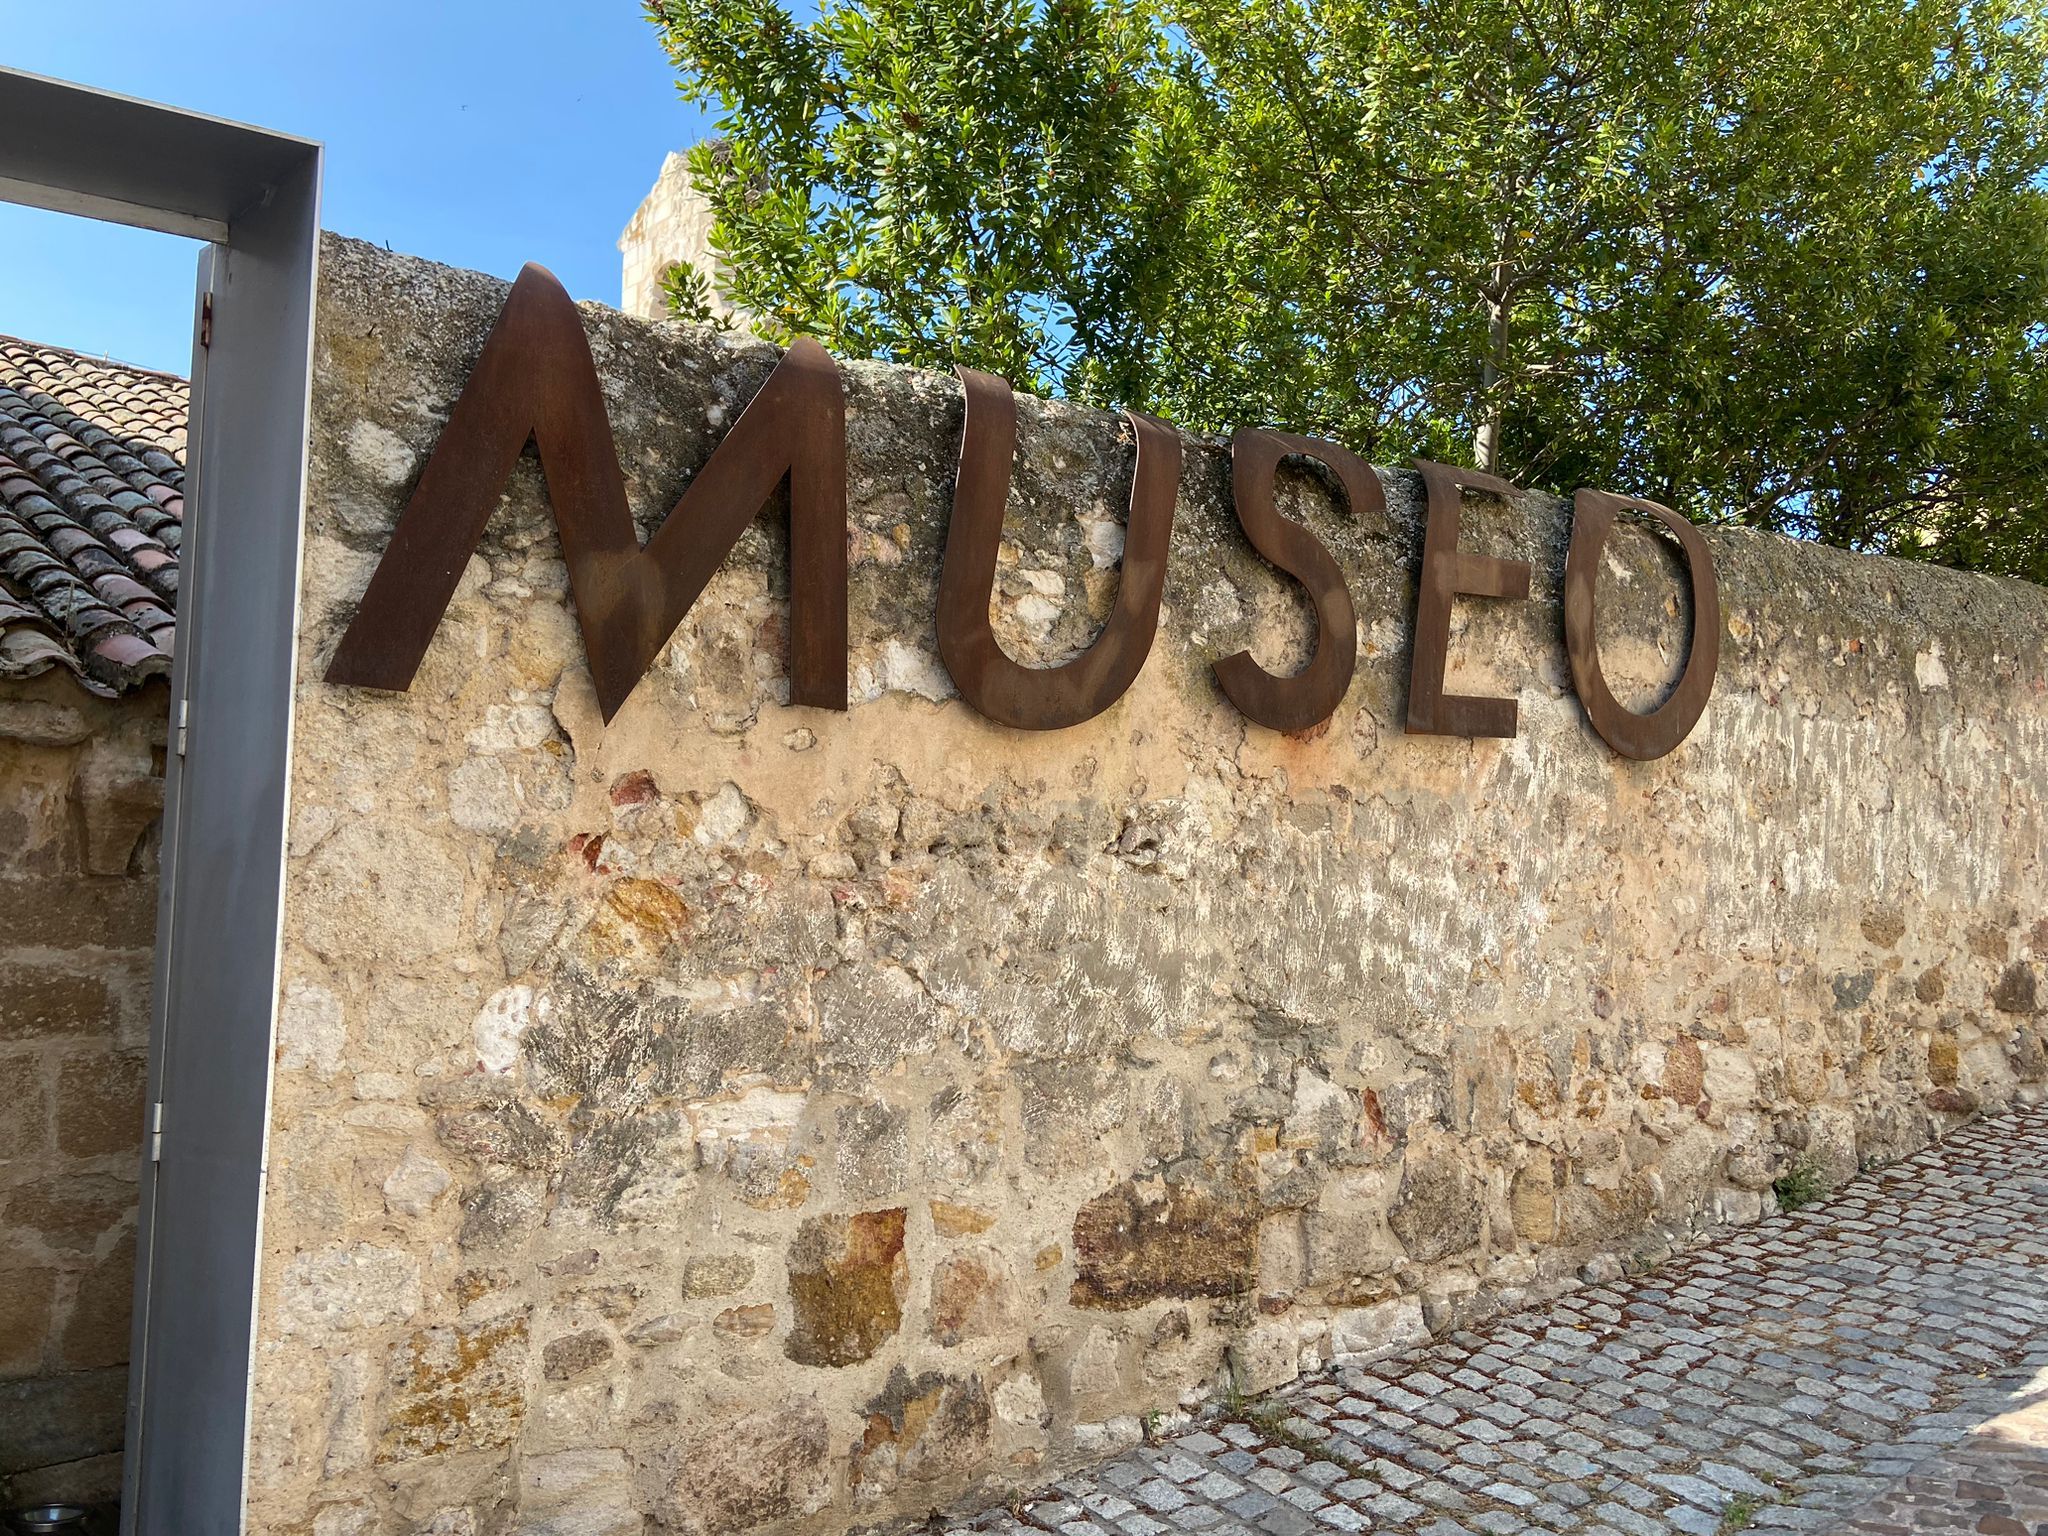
(672, 224)
(81, 790)
(1872, 1364)
(1230, 1054)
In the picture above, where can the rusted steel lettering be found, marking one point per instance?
(1046, 698)
(1448, 571)
(536, 382)
(1311, 695)
(1638, 736)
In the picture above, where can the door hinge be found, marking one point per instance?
(206, 319)
(156, 1131)
(184, 717)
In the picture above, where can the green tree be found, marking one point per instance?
(1782, 262)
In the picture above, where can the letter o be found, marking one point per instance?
(1641, 737)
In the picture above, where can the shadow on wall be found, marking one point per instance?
(81, 796)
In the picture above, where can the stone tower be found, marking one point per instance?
(672, 223)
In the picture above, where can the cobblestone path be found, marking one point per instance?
(1822, 1371)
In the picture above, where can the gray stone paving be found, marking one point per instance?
(1789, 1377)
(1994, 1481)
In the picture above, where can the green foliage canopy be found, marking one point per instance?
(1778, 262)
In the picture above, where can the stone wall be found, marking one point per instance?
(743, 1117)
(81, 793)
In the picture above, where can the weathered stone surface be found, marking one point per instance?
(79, 799)
(847, 1277)
(415, 1184)
(570, 1356)
(42, 724)
(2017, 990)
(1161, 1009)
(42, 999)
(96, 1329)
(755, 1322)
(117, 912)
(347, 1288)
(972, 1296)
(1437, 1212)
(28, 1299)
(1268, 1355)
(99, 1104)
(120, 796)
(749, 1471)
(1143, 1241)
(48, 1420)
(1367, 1333)
(723, 1274)
(950, 1220)
(1533, 1200)
(921, 1429)
(68, 1215)
(455, 1389)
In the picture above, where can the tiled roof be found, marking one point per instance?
(92, 506)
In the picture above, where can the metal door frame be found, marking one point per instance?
(254, 195)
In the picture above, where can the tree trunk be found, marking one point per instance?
(1499, 299)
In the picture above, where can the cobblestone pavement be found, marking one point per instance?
(1995, 1480)
(1825, 1366)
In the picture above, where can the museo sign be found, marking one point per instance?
(536, 381)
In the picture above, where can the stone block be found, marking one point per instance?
(1532, 1199)
(119, 796)
(1437, 1212)
(69, 1214)
(1266, 1357)
(49, 1420)
(753, 1470)
(41, 1000)
(921, 1428)
(68, 913)
(723, 1274)
(41, 724)
(847, 1277)
(96, 1330)
(341, 1289)
(28, 1300)
(873, 1150)
(1148, 1240)
(415, 1184)
(574, 1354)
(1381, 1329)
(972, 1296)
(455, 1389)
(100, 1104)
(89, 1481)
(25, 1132)
(600, 1475)
(755, 1322)
(2017, 989)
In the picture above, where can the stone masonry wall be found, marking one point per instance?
(672, 224)
(746, 1118)
(81, 795)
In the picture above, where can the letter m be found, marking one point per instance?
(535, 382)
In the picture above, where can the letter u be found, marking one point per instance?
(1046, 698)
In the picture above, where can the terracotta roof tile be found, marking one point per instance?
(92, 506)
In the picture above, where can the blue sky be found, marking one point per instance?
(482, 135)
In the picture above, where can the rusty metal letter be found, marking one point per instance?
(1311, 695)
(1448, 571)
(1046, 698)
(1638, 736)
(536, 382)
